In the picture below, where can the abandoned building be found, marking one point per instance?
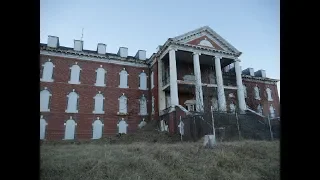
(89, 94)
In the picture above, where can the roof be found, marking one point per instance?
(90, 53)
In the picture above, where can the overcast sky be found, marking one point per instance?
(252, 26)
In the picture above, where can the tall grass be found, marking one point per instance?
(232, 160)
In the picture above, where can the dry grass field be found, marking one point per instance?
(248, 160)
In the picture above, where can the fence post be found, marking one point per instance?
(271, 133)
(213, 129)
(180, 129)
(238, 126)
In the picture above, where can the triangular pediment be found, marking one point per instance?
(206, 37)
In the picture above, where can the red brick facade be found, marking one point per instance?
(60, 88)
(63, 58)
(253, 103)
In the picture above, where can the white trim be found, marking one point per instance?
(193, 49)
(49, 80)
(100, 85)
(265, 81)
(101, 112)
(74, 82)
(211, 32)
(205, 84)
(44, 110)
(104, 60)
(212, 38)
(71, 111)
(164, 52)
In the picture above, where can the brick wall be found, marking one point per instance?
(253, 103)
(86, 91)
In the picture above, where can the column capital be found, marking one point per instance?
(218, 57)
(237, 60)
(194, 53)
(172, 48)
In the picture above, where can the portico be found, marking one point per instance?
(205, 65)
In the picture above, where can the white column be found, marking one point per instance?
(220, 88)
(162, 96)
(173, 77)
(240, 92)
(198, 86)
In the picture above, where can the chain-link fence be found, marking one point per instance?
(228, 126)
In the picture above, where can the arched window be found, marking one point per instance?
(75, 74)
(143, 81)
(43, 125)
(124, 79)
(72, 105)
(45, 100)
(257, 93)
(100, 79)
(269, 94)
(272, 113)
(97, 127)
(122, 126)
(152, 80)
(142, 123)
(47, 71)
(152, 111)
(69, 129)
(98, 103)
(181, 128)
(205, 42)
(123, 104)
(143, 105)
(245, 91)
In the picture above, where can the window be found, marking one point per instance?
(44, 100)
(181, 128)
(245, 91)
(153, 105)
(97, 128)
(142, 123)
(143, 81)
(269, 94)
(47, 71)
(100, 79)
(256, 93)
(124, 79)
(43, 125)
(98, 103)
(152, 80)
(123, 104)
(72, 106)
(75, 74)
(70, 129)
(205, 42)
(272, 113)
(122, 126)
(143, 105)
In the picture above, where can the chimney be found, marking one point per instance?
(123, 52)
(248, 71)
(101, 48)
(141, 54)
(159, 48)
(53, 41)
(260, 73)
(78, 45)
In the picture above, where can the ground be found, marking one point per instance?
(160, 160)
